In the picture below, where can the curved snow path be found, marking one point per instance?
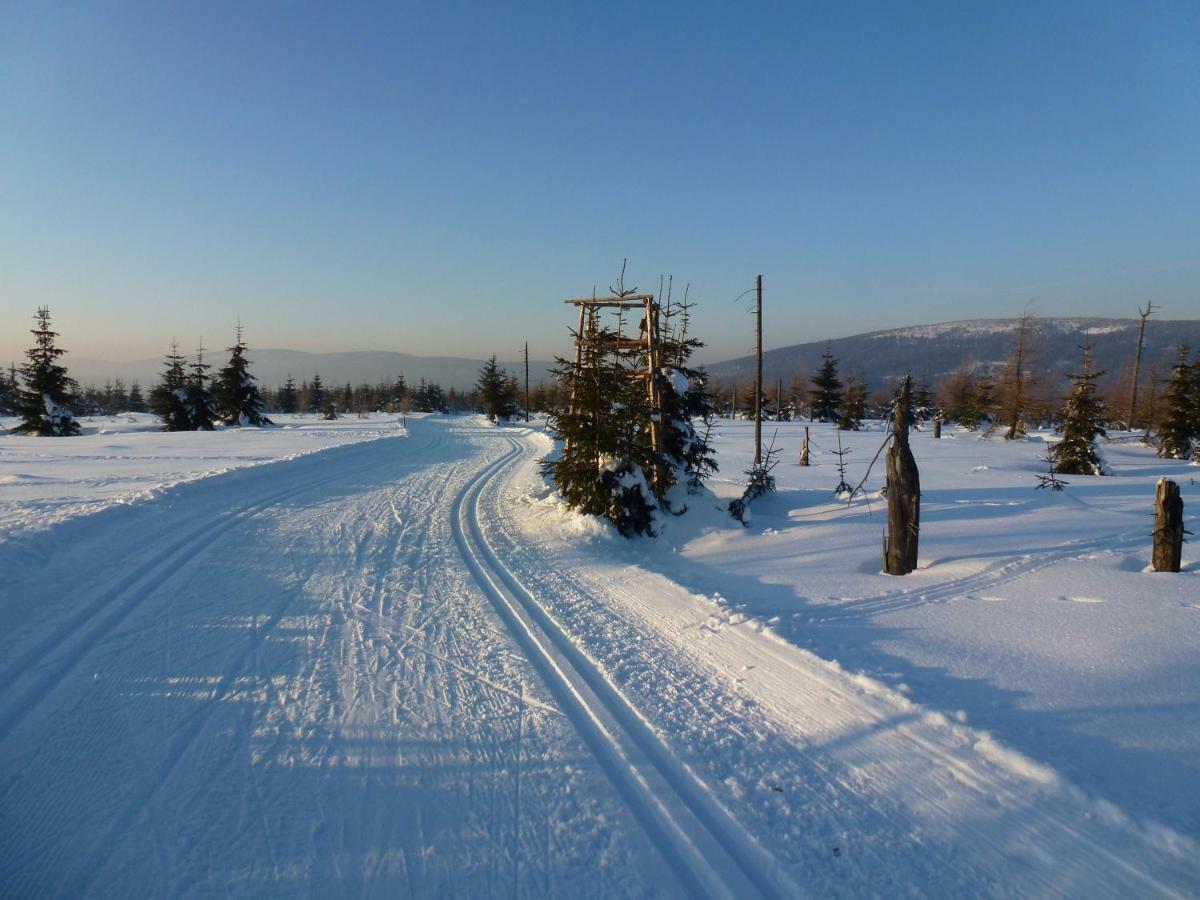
(390, 668)
(285, 681)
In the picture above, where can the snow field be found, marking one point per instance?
(399, 665)
(128, 459)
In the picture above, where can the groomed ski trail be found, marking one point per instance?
(703, 843)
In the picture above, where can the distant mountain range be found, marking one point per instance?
(932, 351)
(928, 351)
(272, 367)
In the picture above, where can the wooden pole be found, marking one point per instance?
(1137, 364)
(937, 427)
(527, 381)
(758, 382)
(903, 492)
(779, 401)
(1168, 527)
(804, 450)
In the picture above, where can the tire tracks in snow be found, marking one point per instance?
(702, 842)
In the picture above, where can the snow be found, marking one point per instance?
(348, 658)
(127, 459)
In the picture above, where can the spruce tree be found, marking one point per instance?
(168, 399)
(854, 407)
(825, 396)
(1179, 426)
(496, 391)
(8, 395)
(42, 401)
(985, 400)
(317, 397)
(287, 398)
(601, 471)
(1083, 420)
(137, 403)
(199, 400)
(923, 405)
(235, 392)
(688, 408)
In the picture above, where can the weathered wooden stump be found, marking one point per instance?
(903, 492)
(937, 427)
(804, 449)
(1168, 527)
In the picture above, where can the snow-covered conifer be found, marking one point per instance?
(825, 396)
(235, 392)
(1180, 410)
(168, 399)
(1083, 420)
(42, 400)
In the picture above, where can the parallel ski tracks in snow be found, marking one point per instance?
(706, 847)
(111, 606)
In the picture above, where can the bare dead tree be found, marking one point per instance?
(1016, 400)
(1131, 420)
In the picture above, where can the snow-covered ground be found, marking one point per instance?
(127, 458)
(400, 666)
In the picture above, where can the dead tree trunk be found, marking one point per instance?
(1168, 527)
(903, 493)
(1137, 367)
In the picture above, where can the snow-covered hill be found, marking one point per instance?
(931, 351)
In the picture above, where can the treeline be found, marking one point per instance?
(977, 398)
(193, 395)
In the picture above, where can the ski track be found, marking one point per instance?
(818, 760)
(363, 676)
(306, 693)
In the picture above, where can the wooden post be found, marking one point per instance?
(758, 384)
(527, 381)
(804, 450)
(1168, 527)
(937, 427)
(1137, 365)
(903, 493)
(779, 400)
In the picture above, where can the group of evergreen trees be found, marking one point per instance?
(610, 465)
(188, 398)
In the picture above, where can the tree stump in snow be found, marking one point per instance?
(903, 492)
(804, 449)
(1168, 527)
(937, 427)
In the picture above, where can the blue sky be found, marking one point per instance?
(435, 178)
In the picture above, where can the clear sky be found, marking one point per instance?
(435, 178)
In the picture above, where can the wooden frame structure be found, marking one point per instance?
(649, 340)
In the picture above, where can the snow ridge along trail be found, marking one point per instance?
(702, 842)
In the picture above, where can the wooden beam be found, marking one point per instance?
(623, 301)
